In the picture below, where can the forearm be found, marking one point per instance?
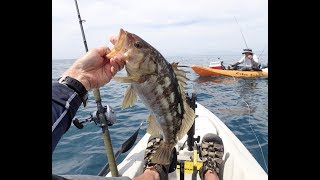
(239, 62)
(65, 103)
(235, 64)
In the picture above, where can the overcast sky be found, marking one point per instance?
(173, 27)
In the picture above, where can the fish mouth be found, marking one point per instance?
(121, 46)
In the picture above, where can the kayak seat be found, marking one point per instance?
(163, 170)
(211, 153)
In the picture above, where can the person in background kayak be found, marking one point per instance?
(94, 70)
(248, 62)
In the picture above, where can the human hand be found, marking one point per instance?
(93, 69)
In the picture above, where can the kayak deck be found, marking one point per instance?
(205, 71)
(238, 163)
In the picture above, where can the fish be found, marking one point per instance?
(161, 87)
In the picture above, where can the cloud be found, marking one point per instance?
(173, 27)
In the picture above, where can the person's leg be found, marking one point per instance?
(87, 177)
(236, 67)
(211, 175)
(211, 153)
(257, 67)
(244, 68)
(154, 171)
(148, 174)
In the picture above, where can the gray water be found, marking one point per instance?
(241, 103)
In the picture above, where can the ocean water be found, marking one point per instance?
(241, 103)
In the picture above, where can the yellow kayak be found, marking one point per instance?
(205, 71)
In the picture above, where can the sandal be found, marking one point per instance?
(211, 153)
(163, 170)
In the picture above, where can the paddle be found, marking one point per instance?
(124, 148)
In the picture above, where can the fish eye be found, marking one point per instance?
(137, 45)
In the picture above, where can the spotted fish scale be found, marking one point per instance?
(161, 87)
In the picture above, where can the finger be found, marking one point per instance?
(115, 65)
(102, 51)
(114, 38)
(113, 70)
(109, 74)
(119, 61)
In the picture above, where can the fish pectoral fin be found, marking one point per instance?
(153, 127)
(127, 79)
(187, 121)
(130, 97)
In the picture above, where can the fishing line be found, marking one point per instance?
(264, 161)
(261, 52)
(263, 156)
(241, 32)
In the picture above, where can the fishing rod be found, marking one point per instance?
(101, 113)
(123, 149)
(244, 38)
(241, 32)
(81, 27)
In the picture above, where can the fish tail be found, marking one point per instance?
(163, 154)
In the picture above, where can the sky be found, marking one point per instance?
(173, 27)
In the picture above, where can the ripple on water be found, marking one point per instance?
(82, 151)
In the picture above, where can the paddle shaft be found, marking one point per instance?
(101, 114)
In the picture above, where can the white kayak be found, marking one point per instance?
(238, 163)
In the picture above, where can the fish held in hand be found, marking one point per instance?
(160, 86)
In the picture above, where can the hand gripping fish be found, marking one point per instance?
(160, 86)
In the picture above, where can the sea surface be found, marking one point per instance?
(241, 103)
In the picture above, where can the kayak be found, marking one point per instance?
(204, 71)
(238, 163)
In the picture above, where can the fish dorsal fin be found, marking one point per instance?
(130, 97)
(189, 113)
(181, 76)
(153, 127)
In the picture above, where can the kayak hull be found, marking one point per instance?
(204, 71)
(238, 163)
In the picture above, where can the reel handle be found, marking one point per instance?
(77, 123)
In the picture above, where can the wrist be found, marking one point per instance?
(77, 86)
(81, 78)
(84, 81)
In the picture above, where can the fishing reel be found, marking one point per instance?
(95, 116)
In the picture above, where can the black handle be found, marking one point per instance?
(77, 123)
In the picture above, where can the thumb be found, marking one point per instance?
(102, 51)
